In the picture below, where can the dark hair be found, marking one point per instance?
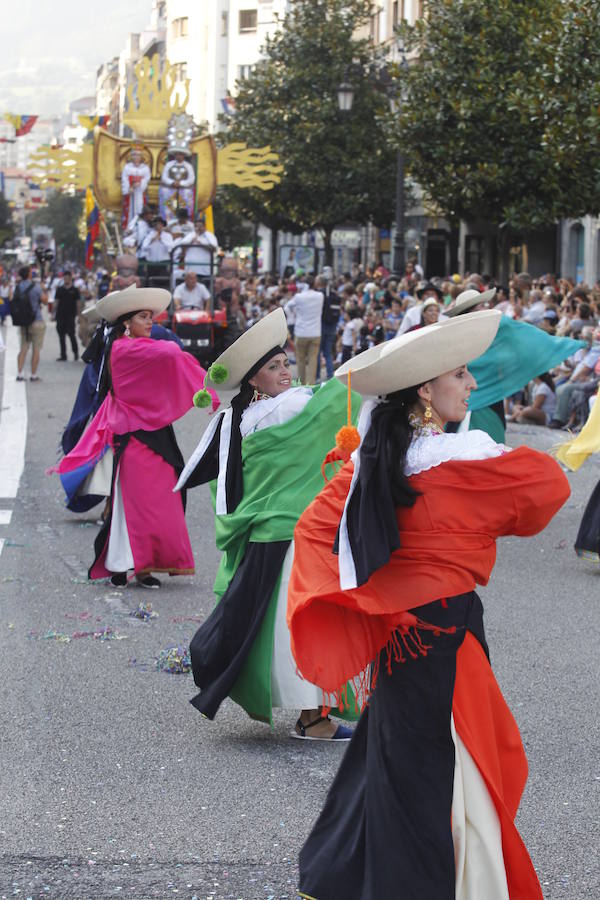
(585, 310)
(24, 272)
(394, 436)
(547, 379)
(118, 330)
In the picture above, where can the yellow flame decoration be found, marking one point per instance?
(153, 96)
(60, 168)
(248, 167)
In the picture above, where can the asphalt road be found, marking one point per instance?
(113, 786)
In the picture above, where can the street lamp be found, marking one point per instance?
(399, 260)
(345, 93)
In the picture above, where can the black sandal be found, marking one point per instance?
(340, 734)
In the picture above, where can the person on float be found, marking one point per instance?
(149, 384)
(202, 239)
(135, 179)
(386, 563)
(518, 354)
(178, 181)
(136, 231)
(262, 457)
(158, 243)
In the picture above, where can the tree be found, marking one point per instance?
(482, 105)
(231, 229)
(336, 166)
(571, 105)
(63, 214)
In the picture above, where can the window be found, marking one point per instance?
(395, 13)
(243, 72)
(474, 255)
(223, 24)
(248, 20)
(180, 27)
(374, 29)
(180, 71)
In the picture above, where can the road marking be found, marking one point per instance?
(5, 516)
(13, 420)
(1, 545)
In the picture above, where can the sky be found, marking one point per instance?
(49, 52)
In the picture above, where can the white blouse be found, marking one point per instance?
(274, 410)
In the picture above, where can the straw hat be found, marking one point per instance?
(233, 364)
(468, 299)
(421, 355)
(91, 314)
(131, 299)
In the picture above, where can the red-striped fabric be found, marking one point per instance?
(448, 546)
(488, 730)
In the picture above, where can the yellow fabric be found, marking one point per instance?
(210, 224)
(574, 453)
(89, 202)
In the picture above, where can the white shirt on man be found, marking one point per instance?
(196, 298)
(158, 250)
(308, 307)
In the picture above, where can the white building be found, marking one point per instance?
(579, 249)
(107, 92)
(214, 44)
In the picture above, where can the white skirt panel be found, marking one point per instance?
(476, 833)
(99, 480)
(119, 557)
(288, 689)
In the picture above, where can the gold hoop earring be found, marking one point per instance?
(428, 413)
(255, 396)
(127, 331)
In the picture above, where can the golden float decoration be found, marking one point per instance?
(153, 97)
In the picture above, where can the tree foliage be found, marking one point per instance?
(500, 114)
(231, 230)
(337, 167)
(63, 214)
(570, 105)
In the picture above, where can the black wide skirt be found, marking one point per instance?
(385, 829)
(587, 543)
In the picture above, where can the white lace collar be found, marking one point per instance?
(428, 451)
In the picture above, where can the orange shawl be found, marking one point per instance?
(448, 546)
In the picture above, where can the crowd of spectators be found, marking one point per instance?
(365, 307)
(333, 317)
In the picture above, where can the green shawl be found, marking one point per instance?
(282, 476)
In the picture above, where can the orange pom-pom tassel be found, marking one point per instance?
(347, 440)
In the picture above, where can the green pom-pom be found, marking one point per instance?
(217, 373)
(202, 399)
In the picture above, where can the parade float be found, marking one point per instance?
(169, 163)
(176, 162)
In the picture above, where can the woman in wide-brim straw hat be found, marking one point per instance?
(263, 457)
(387, 560)
(518, 353)
(148, 384)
